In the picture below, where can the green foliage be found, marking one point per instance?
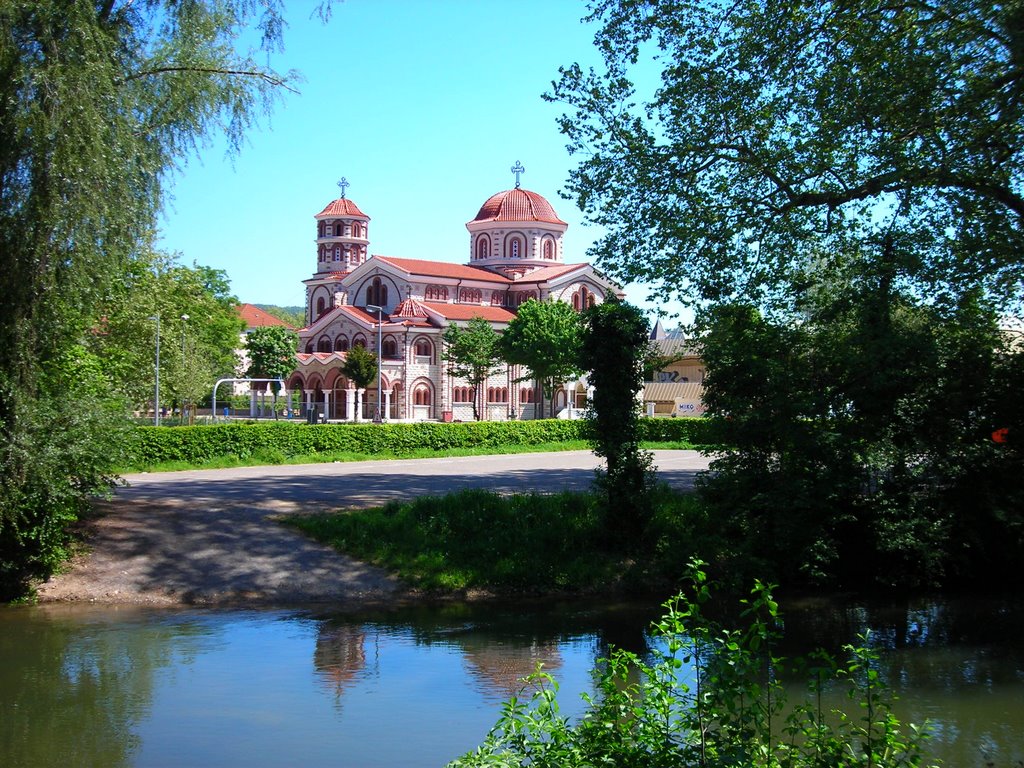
(709, 698)
(780, 130)
(199, 329)
(295, 317)
(146, 446)
(476, 539)
(98, 103)
(859, 440)
(271, 351)
(544, 337)
(360, 366)
(612, 350)
(472, 354)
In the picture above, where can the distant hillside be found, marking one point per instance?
(294, 316)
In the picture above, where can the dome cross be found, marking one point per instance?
(518, 170)
(343, 184)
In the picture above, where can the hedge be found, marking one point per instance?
(196, 444)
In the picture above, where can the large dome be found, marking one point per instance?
(517, 205)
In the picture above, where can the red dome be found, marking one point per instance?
(517, 205)
(341, 207)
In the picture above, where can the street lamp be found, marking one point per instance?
(184, 375)
(380, 373)
(156, 367)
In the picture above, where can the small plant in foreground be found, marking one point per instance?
(709, 698)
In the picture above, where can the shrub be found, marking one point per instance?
(150, 445)
(710, 698)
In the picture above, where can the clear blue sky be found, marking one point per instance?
(422, 105)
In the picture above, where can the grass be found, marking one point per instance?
(273, 457)
(523, 544)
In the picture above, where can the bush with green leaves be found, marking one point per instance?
(709, 698)
(150, 445)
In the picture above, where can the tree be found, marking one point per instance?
(858, 439)
(99, 101)
(544, 337)
(271, 351)
(785, 129)
(613, 349)
(473, 354)
(198, 319)
(360, 366)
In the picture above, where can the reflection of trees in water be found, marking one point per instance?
(340, 654)
(72, 692)
(956, 663)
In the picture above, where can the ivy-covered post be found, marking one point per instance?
(613, 350)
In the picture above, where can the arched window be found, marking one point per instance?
(483, 247)
(319, 229)
(549, 248)
(421, 395)
(470, 296)
(497, 394)
(424, 350)
(377, 293)
(337, 253)
(526, 395)
(359, 341)
(320, 306)
(515, 247)
(309, 347)
(435, 293)
(322, 250)
(463, 395)
(497, 298)
(324, 344)
(341, 344)
(389, 347)
(339, 228)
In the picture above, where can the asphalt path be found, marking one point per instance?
(300, 487)
(213, 537)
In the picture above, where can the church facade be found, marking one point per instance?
(404, 305)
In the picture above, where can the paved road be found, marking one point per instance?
(210, 537)
(360, 484)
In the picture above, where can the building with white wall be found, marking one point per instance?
(515, 253)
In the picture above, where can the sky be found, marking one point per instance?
(423, 106)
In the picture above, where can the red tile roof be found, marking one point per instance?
(469, 311)
(549, 273)
(426, 268)
(254, 317)
(517, 205)
(410, 308)
(341, 207)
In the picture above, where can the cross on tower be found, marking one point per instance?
(518, 170)
(344, 185)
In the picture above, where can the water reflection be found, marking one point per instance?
(94, 686)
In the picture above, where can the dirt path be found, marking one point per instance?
(211, 537)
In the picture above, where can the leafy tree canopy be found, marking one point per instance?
(99, 101)
(472, 353)
(360, 366)
(781, 130)
(271, 351)
(544, 337)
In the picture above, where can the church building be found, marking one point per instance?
(404, 305)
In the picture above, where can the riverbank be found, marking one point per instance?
(212, 537)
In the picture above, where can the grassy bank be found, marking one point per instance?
(479, 540)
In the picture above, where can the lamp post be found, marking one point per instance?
(184, 375)
(380, 373)
(156, 368)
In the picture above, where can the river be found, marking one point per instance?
(88, 685)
